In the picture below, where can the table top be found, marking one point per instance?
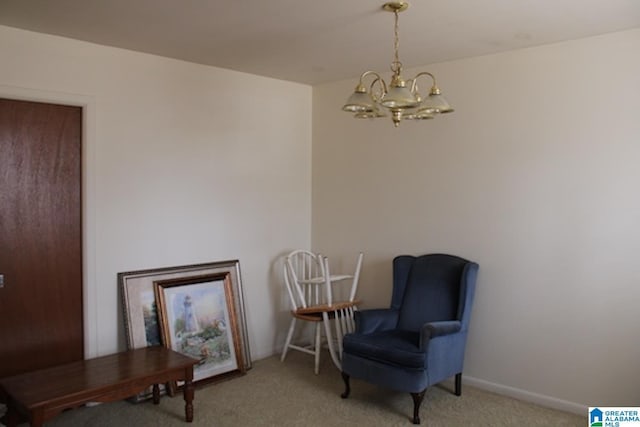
(35, 387)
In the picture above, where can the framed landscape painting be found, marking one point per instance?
(140, 312)
(198, 318)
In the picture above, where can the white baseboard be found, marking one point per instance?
(527, 396)
(259, 355)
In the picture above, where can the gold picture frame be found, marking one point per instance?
(198, 318)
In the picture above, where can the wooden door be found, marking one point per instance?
(40, 235)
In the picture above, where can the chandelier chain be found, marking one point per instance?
(396, 65)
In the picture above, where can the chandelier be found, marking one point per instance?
(400, 97)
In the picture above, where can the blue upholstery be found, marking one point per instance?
(420, 340)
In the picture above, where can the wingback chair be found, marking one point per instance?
(420, 340)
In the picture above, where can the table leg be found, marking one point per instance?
(11, 415)
(156, 394)
(169, 388)
(188, 390)
(37, 418)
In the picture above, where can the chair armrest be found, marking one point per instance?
(437, 329)
(373, 320)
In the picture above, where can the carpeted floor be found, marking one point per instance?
(289, 394)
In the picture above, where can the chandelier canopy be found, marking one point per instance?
(400, 97)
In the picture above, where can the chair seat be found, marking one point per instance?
(314, 313)
(395, 347)
(310, 317)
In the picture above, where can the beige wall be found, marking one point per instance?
(536, 178)
(184, 164)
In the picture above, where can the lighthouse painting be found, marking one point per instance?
(196, 315)
(190, 320)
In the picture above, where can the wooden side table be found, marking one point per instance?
(41, 395)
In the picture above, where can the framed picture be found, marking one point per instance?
(141, 324)
(198, 318)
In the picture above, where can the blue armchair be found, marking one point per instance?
(420, 340)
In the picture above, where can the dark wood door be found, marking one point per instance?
(40, 235)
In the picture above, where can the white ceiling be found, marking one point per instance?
(318, 41)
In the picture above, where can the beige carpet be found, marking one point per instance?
(289, 394)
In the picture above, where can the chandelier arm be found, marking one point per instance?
(414, 84)
(377, 79)
(383, 89)
(369, 73)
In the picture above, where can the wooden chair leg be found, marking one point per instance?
(417, 401)
(459, 384)
(347, 388)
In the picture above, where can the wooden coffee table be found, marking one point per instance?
(42, 394)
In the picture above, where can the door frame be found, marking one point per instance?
(89, 277)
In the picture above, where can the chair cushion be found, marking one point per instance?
(394, 347)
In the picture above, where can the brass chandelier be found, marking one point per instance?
(401, 97)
